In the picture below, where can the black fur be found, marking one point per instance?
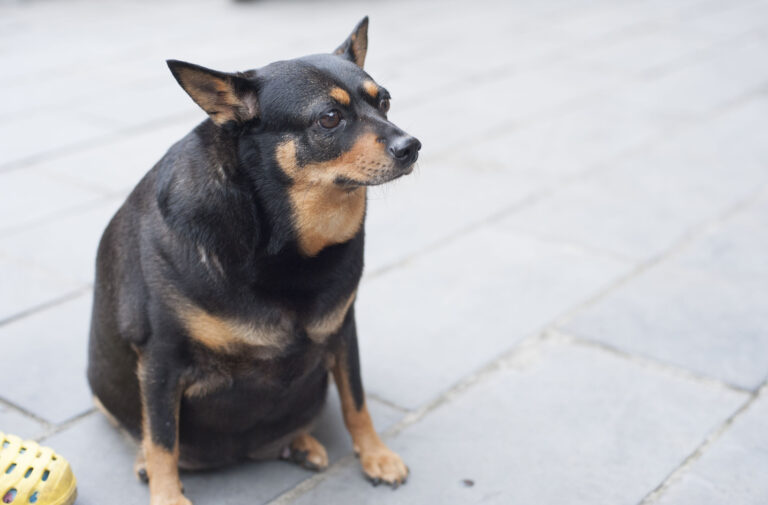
(221, 190)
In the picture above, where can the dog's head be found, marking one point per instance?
(326, 118)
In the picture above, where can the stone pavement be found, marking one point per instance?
(566, 304)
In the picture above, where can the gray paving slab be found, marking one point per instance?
(732, 470)
(452, 61)
(102, 459)
(563, 146)
(734, 19)
(600, 20)
(117, 166)
(28, 196)
(735, 249)
(537, 93)
(33, 95)
(570, 426)
(679, 95)
(699, 29)
(21, 138)
(506, 168)
(44, 359)
(425, 325)
(645, 203)
(16, 423)
(142, 105)
(402, 220)
(24, 286)
(650, 51)
(704, 310)
(65, 246)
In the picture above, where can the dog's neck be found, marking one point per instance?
(310, 215)
(325, 216)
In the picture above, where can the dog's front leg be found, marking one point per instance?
(161, 399)
(379, 463)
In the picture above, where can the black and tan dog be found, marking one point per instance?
(226, 283)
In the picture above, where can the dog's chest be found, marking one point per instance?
(271, 353)
(247, 372)
(266, 335)
(270, 347)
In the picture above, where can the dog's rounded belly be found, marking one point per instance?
(249, 417)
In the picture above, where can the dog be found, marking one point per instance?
(226, 283)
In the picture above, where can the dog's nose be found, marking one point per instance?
(405, 149)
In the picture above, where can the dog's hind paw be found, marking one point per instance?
(306, 451)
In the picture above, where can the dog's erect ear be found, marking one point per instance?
(225, 97)
(355, 47)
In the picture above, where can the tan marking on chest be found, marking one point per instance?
(325, 213)
(211, 383)
(319, 330)
(222, 334)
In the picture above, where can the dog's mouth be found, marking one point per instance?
(379, 179)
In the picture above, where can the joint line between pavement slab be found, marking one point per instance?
(679, 245)
(58, 428)
(709, 440)
(24, 412)
(378, 399)
(46, 305)
(648, 362)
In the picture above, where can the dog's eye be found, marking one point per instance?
(384, 105)
(330, 119)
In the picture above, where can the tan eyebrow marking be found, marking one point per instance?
(340, 95)
(371, 88)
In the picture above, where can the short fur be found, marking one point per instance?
(225, 284)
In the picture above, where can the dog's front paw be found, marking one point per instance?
(380, 464)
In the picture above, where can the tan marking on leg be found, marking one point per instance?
(318, 331)
(163, 472)
(308, 452)
(371, 88)
(340, 96)
(378, 461)
(162, 464)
